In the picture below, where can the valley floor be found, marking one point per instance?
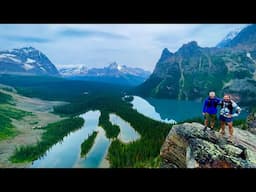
(26, 127)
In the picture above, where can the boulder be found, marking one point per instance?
(188, 146)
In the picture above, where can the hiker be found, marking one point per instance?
(228, 107)
(210, 110)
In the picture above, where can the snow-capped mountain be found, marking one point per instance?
(26, 60)
(71, 71)
(115, 69)
(229, 37)
(113, 73)
(129, 70)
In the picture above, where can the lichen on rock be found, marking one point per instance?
(188, 146)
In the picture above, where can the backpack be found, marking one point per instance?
(230, 107)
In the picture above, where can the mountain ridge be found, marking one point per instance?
(113, 73)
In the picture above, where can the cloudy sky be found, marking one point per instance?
(97, 45)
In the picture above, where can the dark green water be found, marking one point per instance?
(167, 110)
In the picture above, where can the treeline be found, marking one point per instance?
(56, 89)
(88, 143)
(92, 102)
(7, 113)
(111, 130)
(6, 128)
(54, 132)
(11, 112)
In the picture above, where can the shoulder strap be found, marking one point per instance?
(222, 103)
(230, 106)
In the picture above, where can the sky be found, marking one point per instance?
(98, 45)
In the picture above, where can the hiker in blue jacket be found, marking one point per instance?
(210, 110)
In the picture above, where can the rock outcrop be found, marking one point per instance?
(188, 146)
(251, 122)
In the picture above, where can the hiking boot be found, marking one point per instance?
(205, 128)
(222, 133)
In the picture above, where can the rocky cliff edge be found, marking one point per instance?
(188, 146)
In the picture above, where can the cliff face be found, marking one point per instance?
(192, 71)
(188, 146)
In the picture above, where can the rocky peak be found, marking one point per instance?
(188, 146)
(27, 51)
(165, 55)
(189, 49)
(190, 45)
(113, 65)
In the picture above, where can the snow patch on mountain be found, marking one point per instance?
(248, 54)
(28, 66)
(29, 60)
(73, 70)
(119, 67)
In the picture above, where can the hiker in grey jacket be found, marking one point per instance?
(229, 109)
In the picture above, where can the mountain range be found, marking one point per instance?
(73, 71)
(113, 73)
(30, 61)
(192, 71)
